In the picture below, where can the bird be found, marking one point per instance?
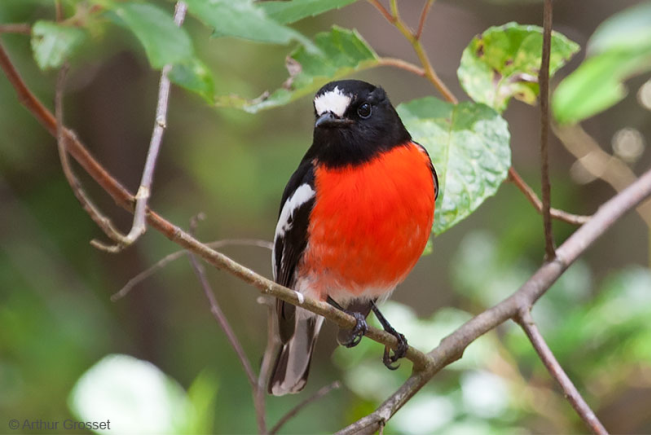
(354, 219)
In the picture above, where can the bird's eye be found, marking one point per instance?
(364, 111)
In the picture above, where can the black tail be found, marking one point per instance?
(289, 374)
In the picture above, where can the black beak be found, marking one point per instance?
(329, 120)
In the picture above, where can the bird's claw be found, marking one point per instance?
(358, 331)
(390, 360)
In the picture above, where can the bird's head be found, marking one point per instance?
(354, 121)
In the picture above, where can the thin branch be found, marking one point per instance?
(163, 262)
(525, 320)
(453, 346)
(423, 18)
(390, 18)
(273, 341)
(560, 215)
(430, 73)
(543, 79)
(599, 163)
(399, 63)
(139, 225)
(298, 408)
(219, 315)
(20, 28)
(87, 204)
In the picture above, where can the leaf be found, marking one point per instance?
(342, 52)
(164, 42)
(145, 399)
(244, 19)
(54, 43)
(619, 49)
(286, 12)
(469, 146)
(627, 30)
(504, 61)
(194, 76)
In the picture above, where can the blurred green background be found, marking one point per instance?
(56, 319)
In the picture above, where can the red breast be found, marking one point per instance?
(370, 223)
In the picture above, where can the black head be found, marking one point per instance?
(354, 122)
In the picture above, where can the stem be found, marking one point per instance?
(528, 192)
(139, 225)
(554, 368)
(543, 79)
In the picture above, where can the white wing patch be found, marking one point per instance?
(300, 196)
(334, 101)
(303, 194)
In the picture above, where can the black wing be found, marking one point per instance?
(431, 166)
(291, 239)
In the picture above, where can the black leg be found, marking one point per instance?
(388, 359)
(360, 327)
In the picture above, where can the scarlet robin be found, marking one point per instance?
(354, 219)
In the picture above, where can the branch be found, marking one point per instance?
(399, 63)
(139, 225)
(569, 390)
(298, 408)
(218, 314)
(561, 215)
(423, 18)
(453, 346)
(543, 79)
(393, 17)
(24, 29)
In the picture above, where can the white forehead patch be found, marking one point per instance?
(334, 101)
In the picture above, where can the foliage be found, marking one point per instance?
(503, 62)
(469, 146)
(619, 49)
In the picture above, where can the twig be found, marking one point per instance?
(393, 17)
(525, 320)
(423, 18)
(144, 191)
(453, 346)
(560, 215)
(219, 315)
(87, 204)
(273, 341)
(543, 79)
(20, 28)
(600, 163)
(399, 63)
(298, 408)
(160, 264)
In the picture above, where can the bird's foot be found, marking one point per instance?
(358, 331)
(390, 360)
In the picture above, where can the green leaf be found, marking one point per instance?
(469, 146)
(54, 43)
(164, 42)
(627, 30)
(342, 52)
(286, 12)
(619, 49)
(244, 19)
(504, 61)
(194, 76)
